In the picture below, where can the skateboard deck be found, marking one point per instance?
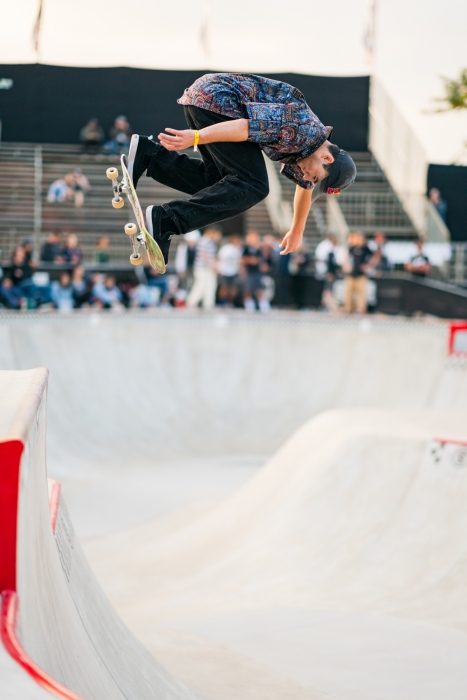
(143, 238)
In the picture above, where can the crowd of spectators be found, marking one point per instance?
(349, 272)
(208, 270)
(93, 139)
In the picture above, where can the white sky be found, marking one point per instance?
(416, 42)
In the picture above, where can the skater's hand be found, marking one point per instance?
(176, 140)
(291, 241)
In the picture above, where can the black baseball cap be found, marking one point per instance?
(342, 175)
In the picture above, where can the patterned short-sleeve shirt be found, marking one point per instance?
(281, 122)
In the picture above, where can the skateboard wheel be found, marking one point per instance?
(111, 173)
(136, 259)
(118, 203)
(131, 229)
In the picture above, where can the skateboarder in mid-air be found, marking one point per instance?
(232, 118)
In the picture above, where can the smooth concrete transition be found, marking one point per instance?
(338, 570)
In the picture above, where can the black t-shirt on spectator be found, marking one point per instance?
(21, 272)
(359, 257)
(250, 251)
(419, 261)
(50, 251)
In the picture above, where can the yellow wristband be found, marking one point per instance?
(195, 147)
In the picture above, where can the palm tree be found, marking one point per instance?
(455, 93)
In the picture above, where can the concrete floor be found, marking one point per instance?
(337, 570)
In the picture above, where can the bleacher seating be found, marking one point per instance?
(27, 170)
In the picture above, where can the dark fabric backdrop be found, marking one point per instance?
(451, 180)
(50, 104)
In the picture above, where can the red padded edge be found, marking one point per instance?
(10, 458)
(54, 501)
(453, 327)
(451, 441)
(13, 646)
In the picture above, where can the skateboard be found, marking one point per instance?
(143, 239)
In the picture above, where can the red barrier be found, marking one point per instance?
(10, 460)
(12, 644)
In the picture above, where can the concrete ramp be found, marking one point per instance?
(342, 565)
(56, 622)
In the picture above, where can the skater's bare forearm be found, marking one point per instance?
(293, 238)
(233, 131)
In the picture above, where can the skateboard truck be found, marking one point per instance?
(117, 201)
(131, 230)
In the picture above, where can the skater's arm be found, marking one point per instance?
(234, 130)
(301, 205)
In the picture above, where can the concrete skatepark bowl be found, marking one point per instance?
(275, 508)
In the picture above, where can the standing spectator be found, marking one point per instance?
(378, 263)
(419, 264)
(438, 202)
(106, 294)
(355, 296)
(253, 262)
(327, 270)
(62, 293)
(298, 268)
(282, 296)
(102, 250)
(185, 259)
(205, 276)
(228, 267)
(71, 253)
(51, 250)
(91, 135)
(120, 135)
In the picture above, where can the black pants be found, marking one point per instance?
(230, 178)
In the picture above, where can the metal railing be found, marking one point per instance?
(336, 222)
(278, 208)
(404, 162)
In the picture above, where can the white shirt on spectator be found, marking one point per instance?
(229, 257)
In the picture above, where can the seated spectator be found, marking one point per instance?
(438, 202)
(359, 254)
(142, 296)
(91, 135)
(62, 293)
(11, 296)
(120, 135)
(22, 272)
(419, 264)
(28, 247)
(155, 280)
(254, 266)
(71, 253)
(62, 189)
(82, 288)
(228, 267)
(205, 275)
(51, 250)
(102, 250)
(80, 186)
(106, 294)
